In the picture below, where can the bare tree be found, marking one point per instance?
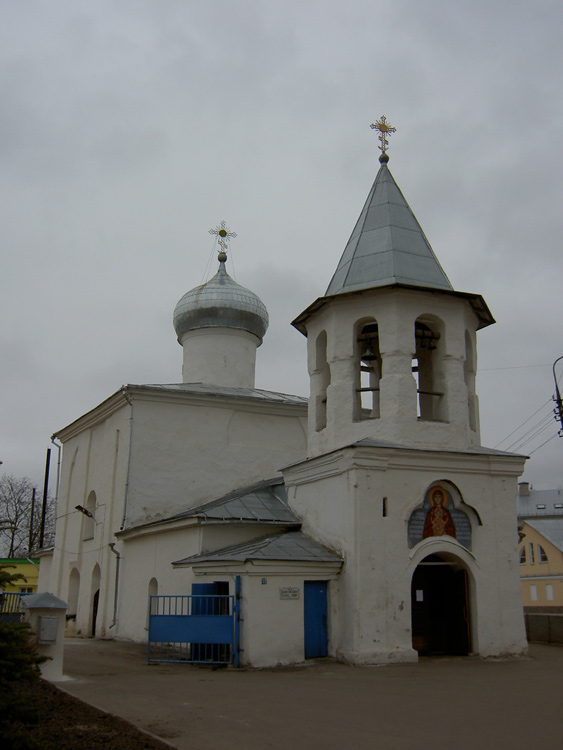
(20, 517)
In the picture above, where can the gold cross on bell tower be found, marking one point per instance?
(384, 130)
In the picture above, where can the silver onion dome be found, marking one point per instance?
(221, 302)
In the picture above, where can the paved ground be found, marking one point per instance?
(439, 703)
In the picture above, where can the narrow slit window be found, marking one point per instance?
(322, 374)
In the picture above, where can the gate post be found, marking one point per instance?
(46, 614)
(237, 622)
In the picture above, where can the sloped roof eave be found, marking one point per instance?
(257, 551)
(476, 301)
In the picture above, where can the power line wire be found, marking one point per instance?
(533, 436)
(544, 421)
(523, 423)
(547, 441)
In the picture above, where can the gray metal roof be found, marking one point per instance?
(263, 502)
(294, 546)
(474, 450)
(387, 245)
(550, 528)
(221, 302)
(203, 389)
(541, 503)
(43, 600)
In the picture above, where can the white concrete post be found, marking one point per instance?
(46, 615)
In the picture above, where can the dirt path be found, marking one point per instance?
(440, 703)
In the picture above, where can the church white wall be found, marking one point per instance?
(373, 608)
(94, 461)
(273, 629)
(149, 556)
(396, 312)
(187, 453)
(217, 536)
(44, 577)
(146, 558)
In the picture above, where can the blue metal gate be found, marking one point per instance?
(202, 628)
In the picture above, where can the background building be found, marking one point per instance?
(540, 514)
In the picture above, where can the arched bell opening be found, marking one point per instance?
(427, 368)
(368, 371)
(469, 369)
(440, 607)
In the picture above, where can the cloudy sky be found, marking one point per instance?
(129, 128)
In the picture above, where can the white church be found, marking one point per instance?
(367, 522)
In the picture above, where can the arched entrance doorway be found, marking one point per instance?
(95, 589)
(440, 607)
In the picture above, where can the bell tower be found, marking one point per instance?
(396, 479)
(391, 345)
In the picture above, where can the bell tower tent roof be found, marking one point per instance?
(387, 245)
(388, 248)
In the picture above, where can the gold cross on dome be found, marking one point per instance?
(384, 130)
(223, 234)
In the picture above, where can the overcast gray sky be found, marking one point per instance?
(129, 128)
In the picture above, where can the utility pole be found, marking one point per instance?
(30, 542)
(45, 493)
(558, 411)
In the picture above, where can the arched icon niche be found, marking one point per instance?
(439, 515)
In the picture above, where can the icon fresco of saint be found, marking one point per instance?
(439, 521)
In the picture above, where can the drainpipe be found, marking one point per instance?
(59, 448)
(116, 553)
(126, 397)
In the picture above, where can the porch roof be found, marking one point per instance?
(293, 546)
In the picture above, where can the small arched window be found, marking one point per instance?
(523, 556)
(89, 517)
(73, 592)
(368, 371)
(542, 554)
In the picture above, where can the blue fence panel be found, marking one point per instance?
(11, 609)
(193, 628)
